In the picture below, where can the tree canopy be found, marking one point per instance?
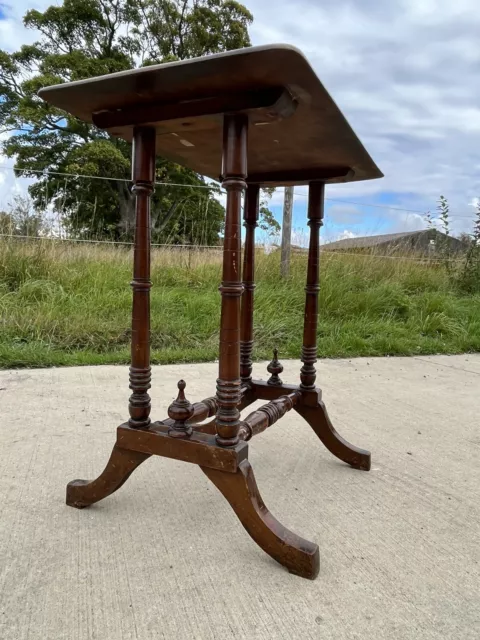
(86, 38)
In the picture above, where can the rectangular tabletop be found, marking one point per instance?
(297, 133)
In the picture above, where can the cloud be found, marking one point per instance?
(405, 74)
(10, 185)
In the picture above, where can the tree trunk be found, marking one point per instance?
(126, 201)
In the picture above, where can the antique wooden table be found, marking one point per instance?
(254, 117)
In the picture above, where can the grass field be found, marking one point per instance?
(66, 304)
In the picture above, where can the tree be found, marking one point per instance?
(470, 276)
(86, 38)
(22, 219)
(267, 221)
(443, 210)
(476, 227)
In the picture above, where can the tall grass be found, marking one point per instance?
(62, 303)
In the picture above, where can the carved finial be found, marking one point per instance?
(275, 367)
(180, 411)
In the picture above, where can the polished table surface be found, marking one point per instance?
(296, 134)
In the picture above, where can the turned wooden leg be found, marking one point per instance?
(299, 556)
(317, 418)
(143, 178)
(316, 194)
(122, 463)
(250, 217)
(234, 170)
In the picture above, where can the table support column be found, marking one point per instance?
(143, 176)
(234, 173)
(316, 195)
(250, 217)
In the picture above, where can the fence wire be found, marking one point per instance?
(338, 225)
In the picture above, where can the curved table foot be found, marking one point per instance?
(122, 463)
(299, 556)
(317, 418)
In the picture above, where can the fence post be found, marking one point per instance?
(286, 232)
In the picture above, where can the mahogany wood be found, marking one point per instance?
(316, 193)
(313, 143)
(143, 176)
(180, 411)
(275, 368)
(267, 415)
(317, 418)
(206, 427)
(201, 411)
(311, 407)
(296, 134)
(122, 463)
(299, 556)
(302, 176)
(250, 217)
(269, 104)
(199, 448)
(234, 171)
(261, 390)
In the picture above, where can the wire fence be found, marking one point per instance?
(179, 248)
(198, 247)
(216, 187)
(345, 219)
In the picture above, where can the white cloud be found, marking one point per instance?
(404, 72)
(10, 185)
(346, 234)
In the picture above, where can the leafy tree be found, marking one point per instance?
(21, 219)
(7, 224)
(444, 214)
(267, 221)
(476, 226)
(470, 276)
(443, 210)
(85, 38)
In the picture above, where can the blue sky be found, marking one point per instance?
(344, 218)
(405, 74)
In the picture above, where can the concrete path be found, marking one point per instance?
(165, 557)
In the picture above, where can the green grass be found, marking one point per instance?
(64, 304)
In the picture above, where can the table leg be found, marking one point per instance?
(316, 415)
(143, 179)
(234, 171)
(318, 418)
(122, 463)
(250, 218)
(316, 194)
(298, 555)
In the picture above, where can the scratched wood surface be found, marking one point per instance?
(311, 141)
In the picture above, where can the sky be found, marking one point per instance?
(404, 73)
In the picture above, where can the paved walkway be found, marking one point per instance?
(399, 546)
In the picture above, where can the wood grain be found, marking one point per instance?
(299, 556)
